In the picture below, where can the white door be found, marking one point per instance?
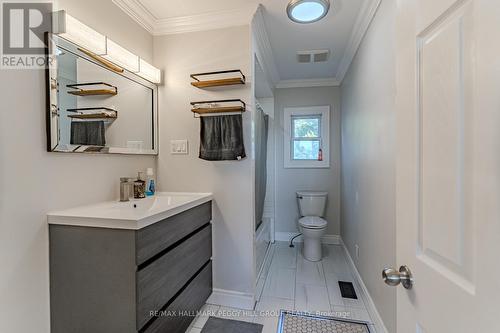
(448, 165)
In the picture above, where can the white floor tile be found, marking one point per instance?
(268, 311)
(311, 298)
(193, 330)
(280, 283)
(285, 257)
(270, 323)
(290, 282)
(274, 304)
(309, 272)
(335, 263)
(267, 263)
(259, 288)
(351, 313)
(236, 314)
(208, 310)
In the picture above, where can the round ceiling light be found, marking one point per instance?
(307, 11)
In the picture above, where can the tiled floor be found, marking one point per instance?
(289, 282)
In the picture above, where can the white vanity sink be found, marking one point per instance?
(135, 214)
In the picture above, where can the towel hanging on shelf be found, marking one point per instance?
(221, 138)
(90, 133)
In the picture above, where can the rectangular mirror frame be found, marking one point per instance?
(53, 42)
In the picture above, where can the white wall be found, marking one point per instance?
(368, 159)
(34, 182)
(288, 181)
(231, 182)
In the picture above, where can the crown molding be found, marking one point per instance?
(305, 83)
(361, 26)
(262, 47)
(138, 13)
(184, 24)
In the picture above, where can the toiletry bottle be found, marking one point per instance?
(150, 182)
(320, 155)
(140, 187)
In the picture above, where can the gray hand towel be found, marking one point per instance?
(222, 138)
(89, 133)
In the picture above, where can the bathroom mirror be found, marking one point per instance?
(94, 106)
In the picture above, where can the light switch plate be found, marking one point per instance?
(179, 147)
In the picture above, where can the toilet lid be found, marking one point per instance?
(313, 222)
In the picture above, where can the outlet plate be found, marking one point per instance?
(357, 250)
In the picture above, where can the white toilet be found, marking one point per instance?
(312, 225)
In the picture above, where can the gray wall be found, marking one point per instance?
(368, 159)
(288, 181)
(35, 182)
(231, 182)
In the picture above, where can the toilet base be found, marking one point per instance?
(312, 249)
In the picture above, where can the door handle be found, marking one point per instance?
(393, 277)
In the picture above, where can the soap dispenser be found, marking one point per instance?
(140, 187)
(150, 182)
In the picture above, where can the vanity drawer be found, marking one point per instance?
(159, 281)
(159, 236)
(187, 303)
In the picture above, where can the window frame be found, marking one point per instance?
(295, 138)
(291, 113)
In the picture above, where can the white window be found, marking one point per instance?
(307, 137)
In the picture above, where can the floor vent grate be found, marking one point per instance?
(347, 290)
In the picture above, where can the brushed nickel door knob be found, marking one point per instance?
(393, 277)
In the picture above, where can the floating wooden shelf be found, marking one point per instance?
(92, 92)
(93, 116)
(219, 81)
(93, 89)
(219, 110)
(199, 109)
(82, 113)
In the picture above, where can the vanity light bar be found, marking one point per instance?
(121, 56)
(149, 72)
(78, 33)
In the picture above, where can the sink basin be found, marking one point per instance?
(134, 214)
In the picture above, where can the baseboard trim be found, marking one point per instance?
(331, 239)
(267, 258)
(263, 230)
(231, 298)
(286, 236)
(370, 306)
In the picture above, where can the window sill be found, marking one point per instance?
(307, 165)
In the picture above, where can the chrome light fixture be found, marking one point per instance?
(307, 11)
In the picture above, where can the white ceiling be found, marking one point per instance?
(340, 31)
(163, 9)
(332, 33)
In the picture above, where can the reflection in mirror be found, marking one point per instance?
(98, 108)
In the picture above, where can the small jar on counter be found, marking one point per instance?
(140, 187)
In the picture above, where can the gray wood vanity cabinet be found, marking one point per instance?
(118, 280)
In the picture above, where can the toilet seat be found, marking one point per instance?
(313, 222)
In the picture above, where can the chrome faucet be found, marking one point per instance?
(126, 188)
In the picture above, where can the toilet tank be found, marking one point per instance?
(312, 203)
